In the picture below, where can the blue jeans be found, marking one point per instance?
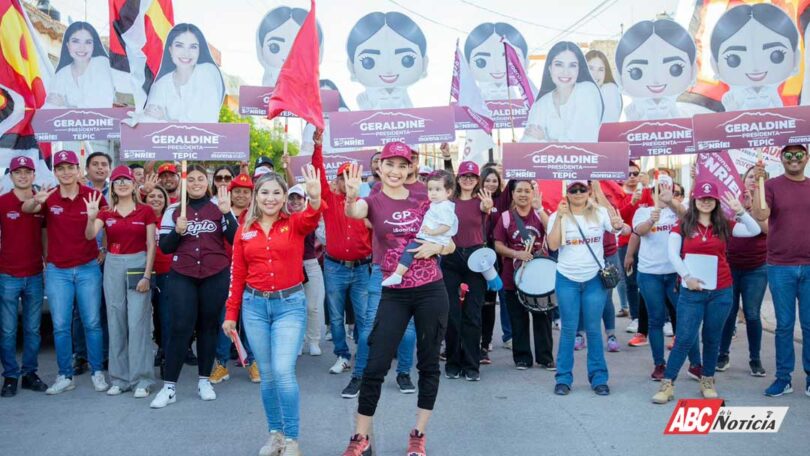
(339, 280)
(275, 328)
(587, 298)
(80, 285)
(608, 314)
(750, 286)
(710, 308)
(406, 346)
(224, 344)
(30, 290)
(656, 290)
(506, 323)
(790, 283)
(628, 287)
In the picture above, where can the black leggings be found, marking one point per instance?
(540, 325)
(463, 338)
(428, 306)
(196, 304)
(488, 318)
(643, 316)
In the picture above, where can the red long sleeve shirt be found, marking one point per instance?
(270, 262)
(627, 210)
(347, 239)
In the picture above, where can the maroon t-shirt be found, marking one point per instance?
(748, 253)
(694, 243)
(20, 238)
(309, 247)
(416, 188)
(470, 223)
(66, 220)
(509, 235)
(609, 244)
(394, 224)
(127, 235)
(788, 242)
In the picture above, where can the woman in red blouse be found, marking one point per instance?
(130, 229)
(266, 275)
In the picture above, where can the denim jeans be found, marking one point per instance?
(30, 290)
(628, 288)
(710, 308)
(224, 344)
(80, 285)
(656, 289)
(406, 346)
(749, 286)
(340, 280)
(275, 328)
(587, 298)
(791, 283)
(609, 313)
(506, 323)
(77, 329)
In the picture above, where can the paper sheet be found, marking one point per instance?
(703, 267)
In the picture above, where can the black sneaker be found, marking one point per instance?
(405, 384)
(521, 365)
(451, 373)
(352, 390)
(561, 389)
(756, 368)
(9, 387)
(80, 366)
(32, 382)
(191, 358)
(472, 376)
(552, 366)
(601, 390)
(723, 362)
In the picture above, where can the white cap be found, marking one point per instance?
(298, 189)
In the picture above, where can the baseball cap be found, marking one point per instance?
(241, 181)
(264, 161)
(706, 190)
(297, 189)
(571, 183)
(396, 149)
(167, 168)
(343, 168)
(65, 156)
(793, 146)
(468, 167)
(260, 172)
(121, 172)
(21, 162)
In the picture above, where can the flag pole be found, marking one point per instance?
(183, 188)
(286, 140)
(761, 183)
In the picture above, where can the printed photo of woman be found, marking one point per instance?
(602, 75)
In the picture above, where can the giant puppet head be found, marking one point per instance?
(484, 52)
(274, 38)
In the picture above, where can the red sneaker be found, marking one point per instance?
(416, 444)
(658, 373)
(695, 372)
(359, 445)
(639, 340)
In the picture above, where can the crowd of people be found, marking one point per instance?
(137, 279)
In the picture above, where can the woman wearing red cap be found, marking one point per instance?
(130, 228)
(705, 295)
(396, 216)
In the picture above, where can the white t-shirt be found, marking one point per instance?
(198, 100)
(577, 120)
(442, 213)
(575, 262)
(93, 89)
(612, 98)
(652, 253)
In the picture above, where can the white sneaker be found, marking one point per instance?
(99, 382)
(205, 390)
(508, 344)
(60, 385)
(164, 397)
(632, 328)
(668, 332)
(114, 390)
(314, 349)
(141, 393)
(341, 365)
(328, 335)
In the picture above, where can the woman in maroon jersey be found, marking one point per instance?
(396, 214)
(130, 230)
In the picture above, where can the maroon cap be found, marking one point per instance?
(65, 156)
(706, 190)
(571, 183)
(468, 167)
(21, 162)
(121, 172)
(396, 149)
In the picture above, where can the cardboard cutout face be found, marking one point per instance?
(657, 69)
(487, 61)
(274, 39)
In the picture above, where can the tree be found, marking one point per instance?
(263, 141)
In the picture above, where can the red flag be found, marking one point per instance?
(298, 89)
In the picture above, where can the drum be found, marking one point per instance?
(535, 282)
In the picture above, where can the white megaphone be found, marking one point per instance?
(483, 261)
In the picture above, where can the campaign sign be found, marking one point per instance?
(755, 128)
(718, 168)
(253, 101)
(499, 110)
(649, 138)
(331, 162)
(379, 127)
(185, 141)
(79, 124)
(557, 161)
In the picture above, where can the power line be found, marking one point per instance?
(589, 16)
(524, 21)
(428, 18)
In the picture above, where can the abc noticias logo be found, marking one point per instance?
(704, 416)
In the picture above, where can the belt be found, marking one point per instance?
(281, 294)
(350, 264)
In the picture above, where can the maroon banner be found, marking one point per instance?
(253, 101)
(500, 114)
(755, 128)
(331, 162)
(649, 138)
(80, 124)
(185, 141)
(377, 128)
(556, 161)
(719, 169)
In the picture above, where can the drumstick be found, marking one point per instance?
(529, 244)
(761, 182)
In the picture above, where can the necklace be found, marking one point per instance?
(703, 233)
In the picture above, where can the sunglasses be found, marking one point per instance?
(223, 178)
(634, 174)
(577, 190)
(122, 182)
(677, 194)
(790, 156)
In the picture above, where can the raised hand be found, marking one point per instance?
(149, 183)
(537, 198)
(486, 199)
(223, 200)
(317, 137)
(353, 180)
(445, 149)
(312, 181)
(664, 194)
(734, 203)
(285, 161)
(562, 208)
(91, 203)
(44, 193)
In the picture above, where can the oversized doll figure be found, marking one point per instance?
(754, 50)
(656, 64)
(387, 54)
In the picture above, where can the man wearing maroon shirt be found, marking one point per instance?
(72, 270)
(20, 278)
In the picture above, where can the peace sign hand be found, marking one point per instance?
(223, 200)
(352, 179)
(312, 181)
(91, 204)
(44, 193)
